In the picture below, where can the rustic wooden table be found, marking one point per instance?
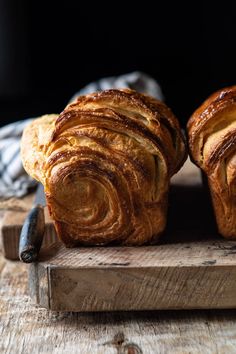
(25, 328)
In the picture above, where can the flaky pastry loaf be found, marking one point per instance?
(212, 143)
(106, 163)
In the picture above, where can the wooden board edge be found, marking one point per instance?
(205, 287)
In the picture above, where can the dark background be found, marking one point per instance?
(50, 49)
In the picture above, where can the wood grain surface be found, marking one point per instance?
(180, 276)
(28, 329)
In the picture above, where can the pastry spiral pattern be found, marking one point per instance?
(106, 163)
(212, 143)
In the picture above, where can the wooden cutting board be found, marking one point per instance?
(178, 276)
(192, 267)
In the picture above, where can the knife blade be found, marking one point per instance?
(32, 232)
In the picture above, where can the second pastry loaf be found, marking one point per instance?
(212, 142)
(106, 163)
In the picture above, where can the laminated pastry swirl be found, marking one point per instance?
(106, 163)
(212, 143)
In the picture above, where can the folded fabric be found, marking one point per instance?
(136, 80)
(14, 182)
(13, 179)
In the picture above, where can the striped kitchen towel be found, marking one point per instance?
(13, 179)
(14, 182)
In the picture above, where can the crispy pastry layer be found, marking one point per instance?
(105, 163)
(212, 143)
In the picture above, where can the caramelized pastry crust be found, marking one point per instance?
(106, 163)
(212, 143)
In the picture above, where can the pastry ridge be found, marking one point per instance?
(105, 163)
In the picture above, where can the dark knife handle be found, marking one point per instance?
(31, 236)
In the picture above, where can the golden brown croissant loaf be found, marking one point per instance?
(105, 163)
(212, 143)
